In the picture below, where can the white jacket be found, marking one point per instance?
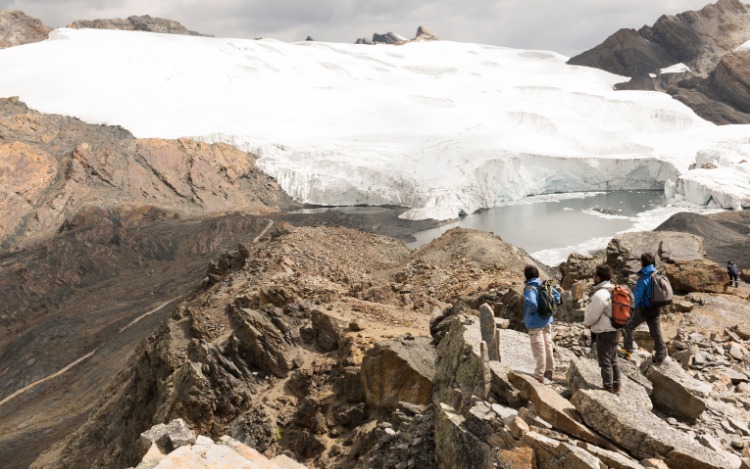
(600, 309)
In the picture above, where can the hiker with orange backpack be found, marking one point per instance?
(599, 318)
(649, 296)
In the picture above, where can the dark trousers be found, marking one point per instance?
(734, 278)
(606, 352)
(651, 317)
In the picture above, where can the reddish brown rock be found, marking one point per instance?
(699, 275)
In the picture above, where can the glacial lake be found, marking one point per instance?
(551, 227)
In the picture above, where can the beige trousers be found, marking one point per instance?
(541, 348)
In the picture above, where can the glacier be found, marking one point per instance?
(441, 127)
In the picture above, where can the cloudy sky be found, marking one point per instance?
(568, 27)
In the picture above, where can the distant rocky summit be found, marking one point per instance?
(423, 34)
(17, 28)
(714, 82)
(137, 23)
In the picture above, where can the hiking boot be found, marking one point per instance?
(659, 360)
(607, 388)
(627, 354)
(616, 389)
(540, 379)
(548, 374)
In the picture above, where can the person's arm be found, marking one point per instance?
(530, 304)
(594, 311)
(639, 292)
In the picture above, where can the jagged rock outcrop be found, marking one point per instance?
(730, 80)
(423, 34)
(17, 28)
(53, 167)
(714, 86)
(136, 23)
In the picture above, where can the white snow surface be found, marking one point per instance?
(439, 127)
(676, 68)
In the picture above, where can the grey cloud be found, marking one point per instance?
(567, 27)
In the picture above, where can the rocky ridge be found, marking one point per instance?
(299, 345)
(56, 169)
(137, 23)
(715, 86)
(16, 28)
(423, 34)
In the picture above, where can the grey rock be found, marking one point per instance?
(642, 433)
(676, 393)
(455, 446)
(398, 370)
(584, 373)
(168, 437)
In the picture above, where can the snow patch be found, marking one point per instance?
(676, 68)
(431, 127)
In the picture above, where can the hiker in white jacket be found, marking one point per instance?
(597, 317)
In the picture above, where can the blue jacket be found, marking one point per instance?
(643, 288)
(530, 318)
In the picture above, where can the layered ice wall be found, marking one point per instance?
(440, 127)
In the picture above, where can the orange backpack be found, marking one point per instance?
(621, 301)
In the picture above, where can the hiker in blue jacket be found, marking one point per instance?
(643, 311)
(540, 329)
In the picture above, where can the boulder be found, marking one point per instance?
(730, 80)
(459, 363)
(259, 341)
(511, 309)
(455, 446)
(700, 275)
(577, 267)
(515, 351)
(328, 331)
(613, 459)
(624, 250)
(642, 433)
(554, 454)
(398, 370)
(168, 437)
(501, 387)
(675, 392)
(553, 408)
(584, 373)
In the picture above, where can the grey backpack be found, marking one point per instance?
(661, 290)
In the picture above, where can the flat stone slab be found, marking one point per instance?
(584, 373)
(515, 351)
(675, 392)
(642, 433)
(554, 408)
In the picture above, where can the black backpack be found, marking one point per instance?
(545, 299)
